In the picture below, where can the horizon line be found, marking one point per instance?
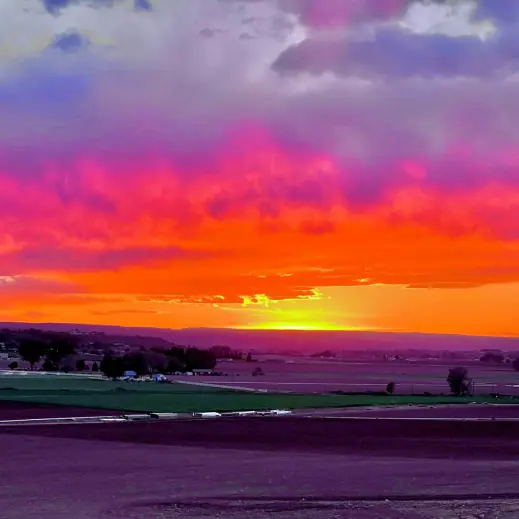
(263, 330)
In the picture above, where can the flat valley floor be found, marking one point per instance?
(175, 470)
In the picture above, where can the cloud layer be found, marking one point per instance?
(243, 147)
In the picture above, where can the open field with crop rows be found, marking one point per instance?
(318, 376)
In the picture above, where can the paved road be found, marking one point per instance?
(106, 419)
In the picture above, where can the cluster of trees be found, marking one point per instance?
(53, 349)
(57, 349)
(492, 356)
(114, 367)
(225, 352)
(458, 380)
(81, 365)
(497, 357)
(188, 359)
(176, 359)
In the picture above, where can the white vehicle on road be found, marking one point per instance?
(207, 415)
(274, 412)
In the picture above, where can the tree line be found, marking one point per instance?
(175, 359)
(53, 348)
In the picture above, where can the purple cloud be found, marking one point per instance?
(332, 13)
(19, 285)
(394, 54)
(503, 12)
(70, 42)
(56, 259)
(56, 7)
(151, 128)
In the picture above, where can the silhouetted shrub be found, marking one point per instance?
(137, 362)
(48, 365)
(390, 389)
(13, 365)
(156, 361)
(112, 367)
(31, 350)
(459, 381)
(60, 346)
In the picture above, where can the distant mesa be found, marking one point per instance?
(321, 343)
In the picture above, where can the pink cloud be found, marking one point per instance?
(333, 13)
(143, 159)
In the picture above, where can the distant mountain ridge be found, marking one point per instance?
(297, 340)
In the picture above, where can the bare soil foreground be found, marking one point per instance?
(424, 439)
(63, 478)
(20, 411)
(290, 467)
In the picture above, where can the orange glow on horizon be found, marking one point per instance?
(302, 327)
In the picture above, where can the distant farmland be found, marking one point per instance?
(321, 376)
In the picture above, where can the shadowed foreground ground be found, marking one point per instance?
(425, 439)
(20, 410)
(48, 478)
(289, 468)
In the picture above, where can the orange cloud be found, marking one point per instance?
(266, 226)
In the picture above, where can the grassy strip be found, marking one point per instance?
(151, 397)
(71, 383)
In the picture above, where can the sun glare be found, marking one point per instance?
(299, 326)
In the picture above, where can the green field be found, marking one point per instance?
(152, 397)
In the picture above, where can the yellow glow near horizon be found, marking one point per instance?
(296, 326)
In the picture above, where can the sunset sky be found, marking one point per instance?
(327, 164)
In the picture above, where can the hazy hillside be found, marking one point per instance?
(304, 341)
